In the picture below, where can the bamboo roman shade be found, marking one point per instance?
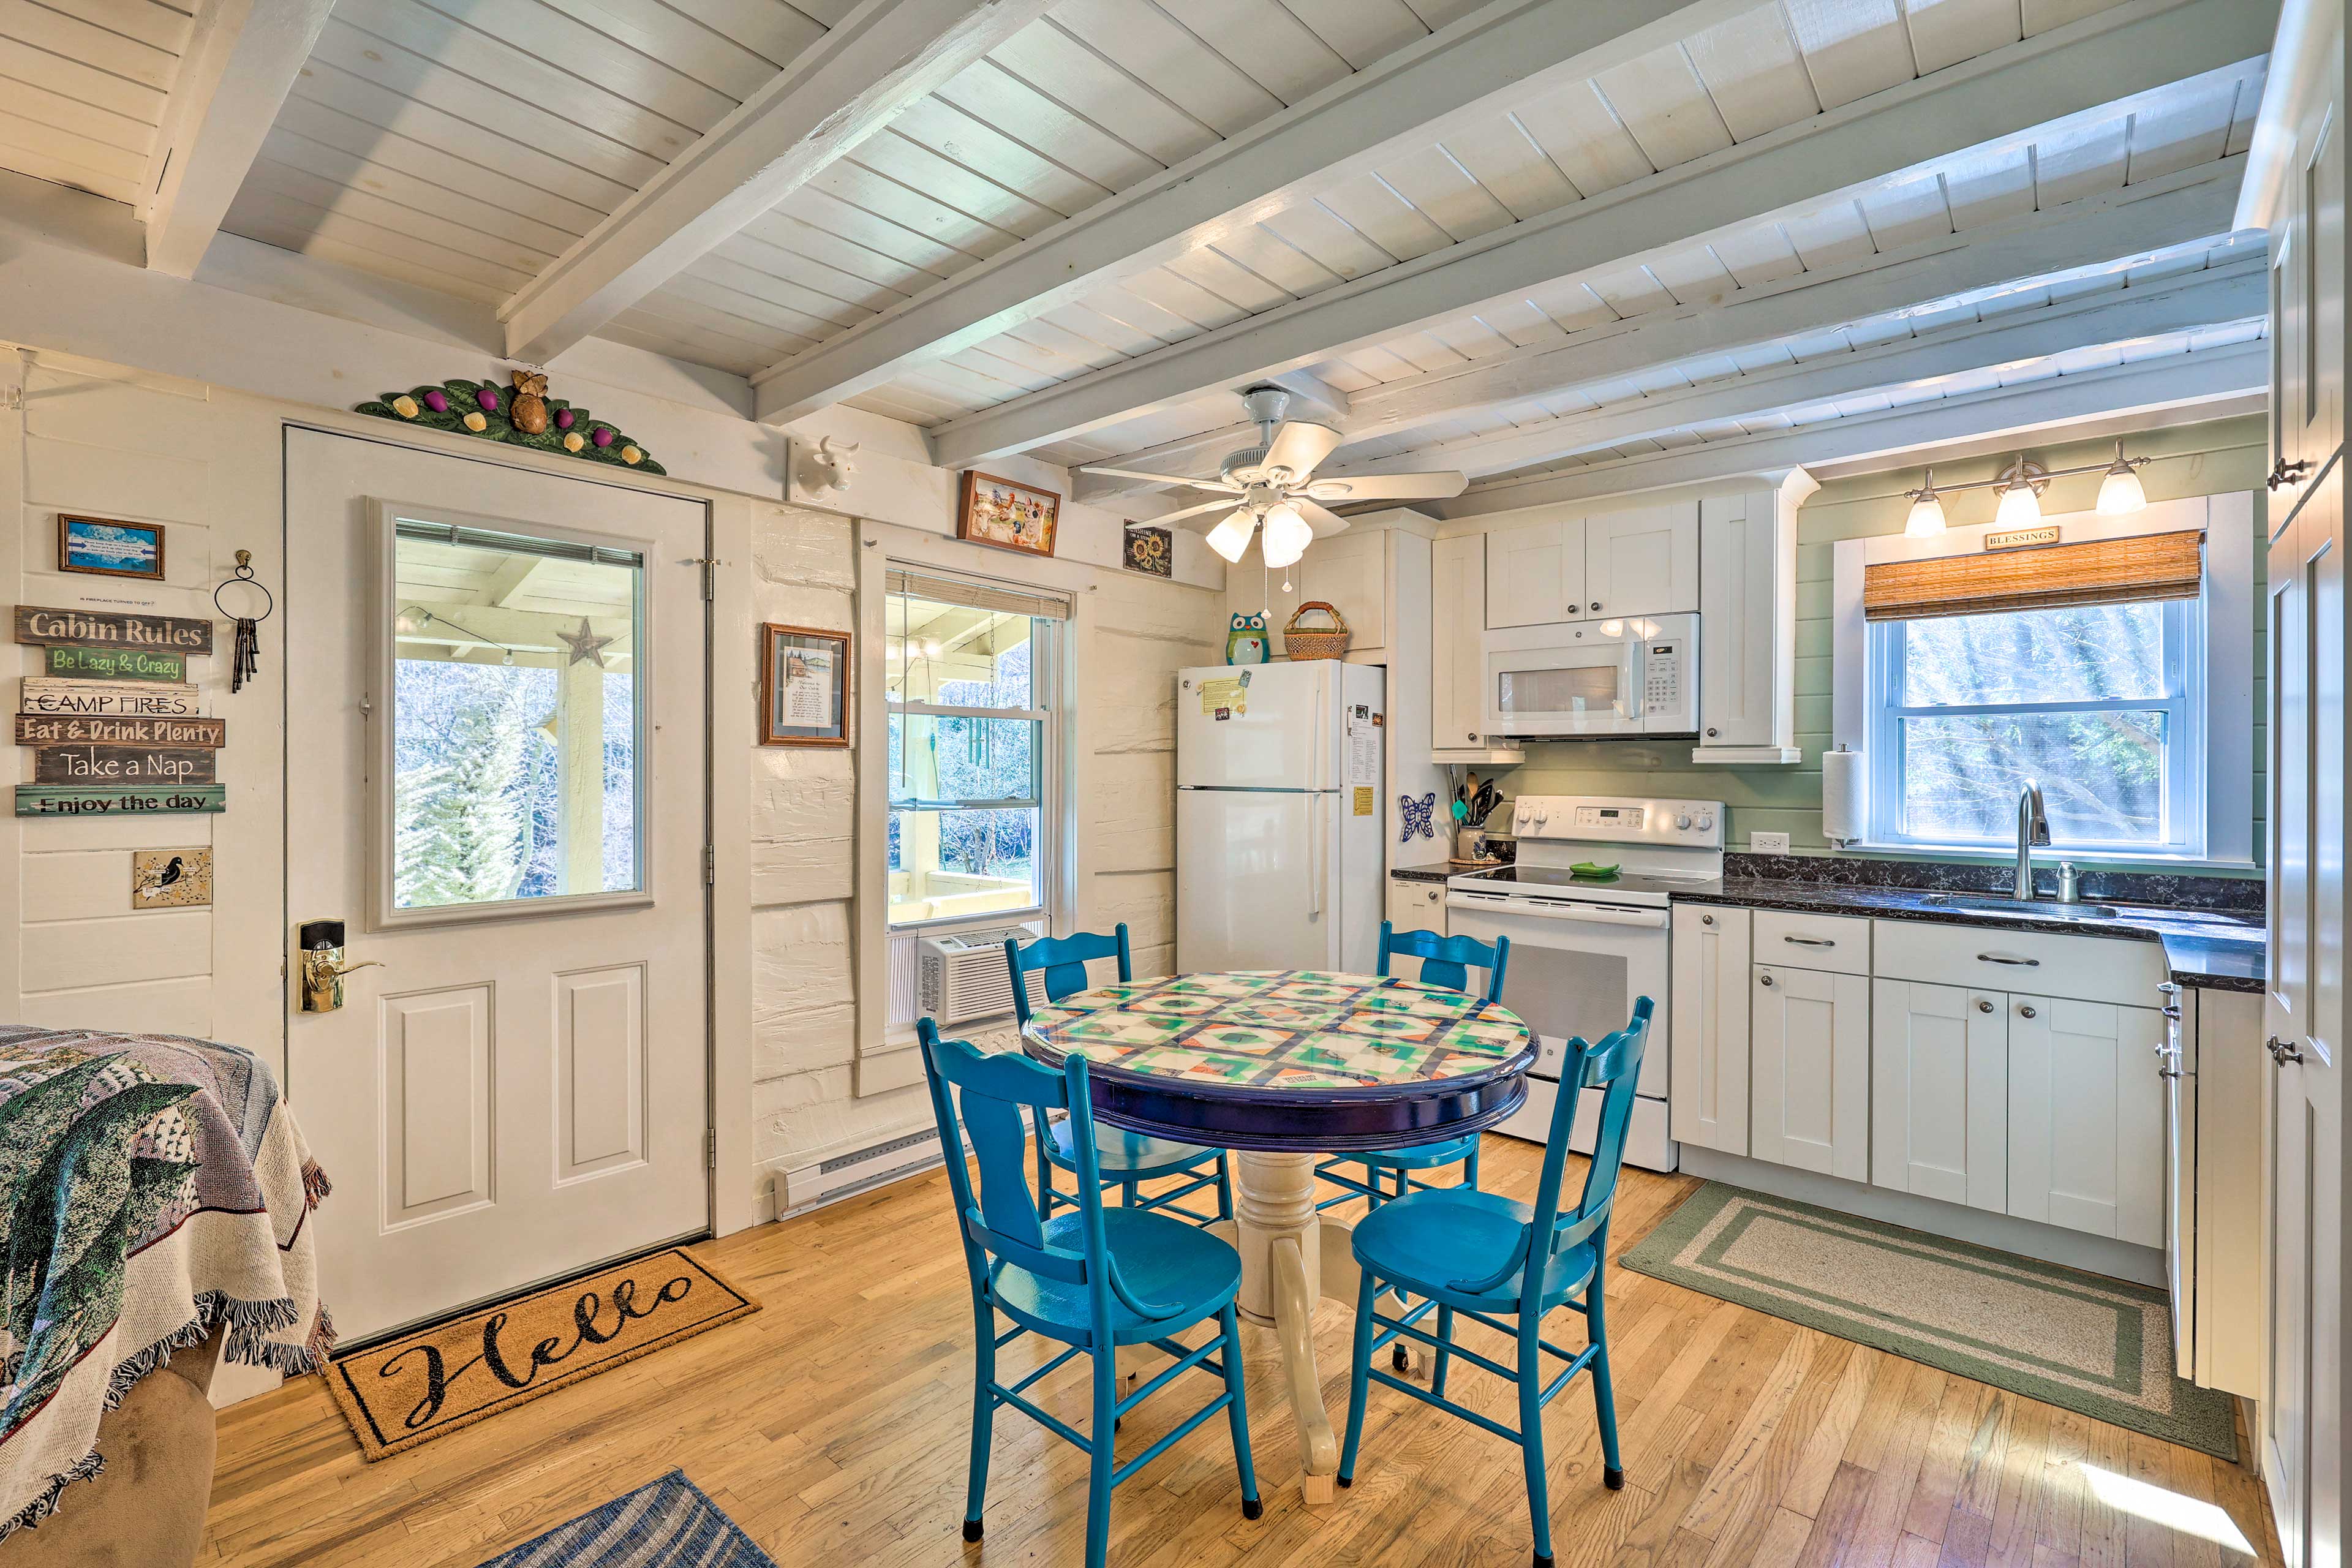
(977, 593)
(2053, 578)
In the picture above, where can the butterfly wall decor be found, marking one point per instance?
(1416, 816)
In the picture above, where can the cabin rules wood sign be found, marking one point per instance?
(109, 628)
(105, 730)
(112, 720)
(153, 700)
(122, 765)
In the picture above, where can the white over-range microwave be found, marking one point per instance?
(1637, 676)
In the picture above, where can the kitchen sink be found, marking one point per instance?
(1995, 905)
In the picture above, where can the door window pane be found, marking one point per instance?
(2101, 775)
(515, 719)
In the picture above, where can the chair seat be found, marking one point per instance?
(1164, 1261)
(1428, 1239)
(1118, 1152)
(1420, 1156)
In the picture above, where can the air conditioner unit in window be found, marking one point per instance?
(965, 976)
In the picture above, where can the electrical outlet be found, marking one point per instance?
(1768, 844)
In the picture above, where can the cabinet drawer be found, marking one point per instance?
(1838, 943)
(2084, 968)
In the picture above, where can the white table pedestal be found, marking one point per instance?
(1291, 1258)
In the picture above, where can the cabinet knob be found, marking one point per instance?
(1706, 919)
(1764, 980)
(1983, 1006)
(1596, 604)
(1472, 736)
(2026, 1012)
(1712, 733)
(2282, 1052)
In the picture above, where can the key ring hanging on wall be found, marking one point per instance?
(248, 639)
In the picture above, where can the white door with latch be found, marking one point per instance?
(496, 786)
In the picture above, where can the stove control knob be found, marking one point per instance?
(1683, 823)
(1706, 822)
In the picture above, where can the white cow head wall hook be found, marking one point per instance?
(829, 465)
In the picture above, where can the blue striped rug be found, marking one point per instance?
(666, 1524)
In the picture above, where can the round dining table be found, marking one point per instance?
(1285, 1068)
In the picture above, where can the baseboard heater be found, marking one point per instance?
(845, 1175)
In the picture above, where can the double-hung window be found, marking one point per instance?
(2081, 668)
(972, 670)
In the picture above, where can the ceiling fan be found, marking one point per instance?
(1276, 485)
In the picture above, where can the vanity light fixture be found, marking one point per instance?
(2019, 487)
(1926, 519)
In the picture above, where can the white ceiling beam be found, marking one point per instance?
(2209, 384)
(880, 58)
(2116, 227)
(1481, 66)
(2086, 71)
(2238, 292)
(240, 62)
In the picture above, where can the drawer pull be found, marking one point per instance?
(2018, 962)
(1765, 980)
(2027, 1013)
(1983, 1006)
(1810, 940)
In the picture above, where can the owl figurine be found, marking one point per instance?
(1246, 642)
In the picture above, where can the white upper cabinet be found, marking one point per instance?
(1747, 624)
(1458, 599)
(1535, 573)
(1642, 563)
(1349, 572)
(2307, 310)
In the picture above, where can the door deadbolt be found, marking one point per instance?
(323, 968)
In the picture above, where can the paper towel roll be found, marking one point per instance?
(1841, 795)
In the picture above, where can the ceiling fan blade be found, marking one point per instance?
(1390, 487)
(1298, 447)
(1222, 503)
(1322, 519)
(1165, 479)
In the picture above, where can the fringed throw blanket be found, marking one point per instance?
(152, 1189)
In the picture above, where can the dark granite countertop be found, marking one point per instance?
(2209, 948)
(1437, 873)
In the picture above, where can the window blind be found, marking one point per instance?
(2052, 577)
(977, 593)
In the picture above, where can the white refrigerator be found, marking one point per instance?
(1278, 814)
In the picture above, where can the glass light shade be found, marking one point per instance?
(1926, 519)
(1287, 534)
(2119, 493)
(2020, 508)
(1231, 537)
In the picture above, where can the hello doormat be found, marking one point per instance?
(413, 1389)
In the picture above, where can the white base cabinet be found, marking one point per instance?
(1709, 1095)
(1939, 1093)
(2087, 1117)
(1415, 906)
(1809, 1068)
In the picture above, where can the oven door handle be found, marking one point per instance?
(1557, 910)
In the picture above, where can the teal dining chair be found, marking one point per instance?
(1445, 960)
(1127, 1160)
(1093, 1280)
(1506, 1265)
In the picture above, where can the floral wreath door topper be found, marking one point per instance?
(521, 414)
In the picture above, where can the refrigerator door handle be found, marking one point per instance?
(1314, 855)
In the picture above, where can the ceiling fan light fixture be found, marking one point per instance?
(1232, 537)
(1287, 534)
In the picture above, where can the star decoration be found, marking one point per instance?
(585, 644)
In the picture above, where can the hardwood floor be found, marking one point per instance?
(832, 1427)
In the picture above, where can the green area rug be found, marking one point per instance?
(2096, 1346)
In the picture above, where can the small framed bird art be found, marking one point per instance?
(171, 878)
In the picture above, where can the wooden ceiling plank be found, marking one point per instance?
(844, 89)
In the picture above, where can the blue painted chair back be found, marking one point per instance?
(1064, 959)
(1447, 960)
(984, 1097)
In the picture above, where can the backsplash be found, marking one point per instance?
(2231, 895)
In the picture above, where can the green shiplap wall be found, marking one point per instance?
(2190, 460)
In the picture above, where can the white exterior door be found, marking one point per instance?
(1939, 1092)
(497, 783)
(1809, 1034)
(1258, 726)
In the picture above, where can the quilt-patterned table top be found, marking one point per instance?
(1281, 1029)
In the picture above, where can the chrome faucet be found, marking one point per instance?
(2032, 828)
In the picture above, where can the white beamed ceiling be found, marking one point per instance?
(465, 145)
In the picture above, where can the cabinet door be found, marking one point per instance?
(1642, 563)
(1708, 1099)
(1415, 906)
(1938, 1092)
(1535, 574)
(1456, 651)
(2087, 1117)
(1739, 581)
(1809, 1040)
(2314, 420)
(1350, 571)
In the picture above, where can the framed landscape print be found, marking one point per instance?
(1008, 515)
(804, 687)
(108, 548)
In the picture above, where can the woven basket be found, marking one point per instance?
(1322, 642)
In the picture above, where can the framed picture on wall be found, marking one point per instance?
(105, 548)
(1008, 515)
(804, 687)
